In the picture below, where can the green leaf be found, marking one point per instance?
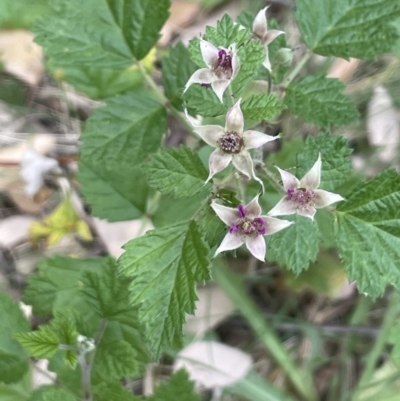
(336, 163)
(12, 393)
(261, 107)
(204, 101)
(116, 139)
(13, 358)
(177, 68)
(125, 132)
(367, 232)
(119, 33)
(42, 343)
(21, 13)
(179, 172)
(113, 392)
(251, 57)
(113, 361)
(166, 265)
(177, 388)
(297, 246)
(320, 100)
(226, 33)
(98, 83)
(59, 395)
(212, 226)
(115, 194)
(348, 28)
(56, 285)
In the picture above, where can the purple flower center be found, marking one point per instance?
(223, 66)
(302, 196)
(231, 142)
(248, 226)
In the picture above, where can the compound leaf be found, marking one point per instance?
(320, 100)
(166, 265)
(348, 28)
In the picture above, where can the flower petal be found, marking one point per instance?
(283, 208)
(210, 134)
(271, 35)
(219, 86)
(289, 181)
(253, 208)
(243, 163)
(235, 65)
(260, 23)
(234, 119)
(201, 76)
(218, 161)
(274, 225)
(255, 139)
(324, 198)
(257, 247)
(227, 214)
(209, 53)
(230, 242)
(266, 62)
(309, 212)
(312, 179)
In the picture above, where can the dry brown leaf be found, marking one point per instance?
(21, 56)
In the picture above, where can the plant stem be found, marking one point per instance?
(86, 362)
(271, 178)
(230, 283)
(372, 358)
(161, 97)
(292, 74)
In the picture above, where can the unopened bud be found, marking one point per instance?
(284, 56)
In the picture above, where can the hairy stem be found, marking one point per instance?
(271, 178)
(292, 74)
(230, 283)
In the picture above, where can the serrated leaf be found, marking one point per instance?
(42, 343)
(13, 358)
(177, 388)
(367, 232)
(204, 101)
(176, 171)
(116, 194)
(261, 107)
(113, 361)
(251, 57)
(113, 392)
(348, 28)
(166, 265)
(320, 100)
(125, 131)
(119, 33)
(297, 246)
(177, 68)
(213, 228)
(226, 33)
(336, 163)
(56, 285)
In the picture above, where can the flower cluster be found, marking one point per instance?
(232, 144)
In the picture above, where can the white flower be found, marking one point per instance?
(33, 168)
(302, 196)
(223, 66)
(232, 143)
(246, 225)
(260, 28)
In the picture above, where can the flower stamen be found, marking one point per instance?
(231, 143)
